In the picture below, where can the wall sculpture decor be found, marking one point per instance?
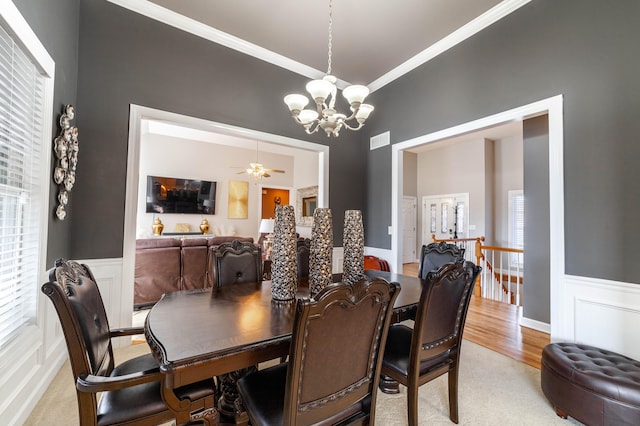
(65, 146)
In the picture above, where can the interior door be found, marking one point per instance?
(409, 231)
(445, 216)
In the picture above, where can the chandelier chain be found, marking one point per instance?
(323, 93)
(330, 36)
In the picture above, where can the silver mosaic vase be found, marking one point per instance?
(353, 244)
(321, 251)
(283, 262)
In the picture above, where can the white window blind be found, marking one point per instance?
(516, 223)
(21, 123)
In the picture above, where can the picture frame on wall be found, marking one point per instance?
(238, 206)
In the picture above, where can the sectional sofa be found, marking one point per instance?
(170, 264)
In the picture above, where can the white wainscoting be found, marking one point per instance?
(601, 313)
(338, 256)
(337, 260)
(108, 275)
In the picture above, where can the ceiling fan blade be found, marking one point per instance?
(266, 175)
(239, 173)
(274, 171)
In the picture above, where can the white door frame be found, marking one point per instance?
(551, 106)
(136, 114)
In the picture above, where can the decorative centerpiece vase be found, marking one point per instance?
(283, 262)
(353, 243)
(321, 251)
(204, 226)
(157, 227)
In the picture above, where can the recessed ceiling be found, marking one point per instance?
(373, 42)
(370, 38)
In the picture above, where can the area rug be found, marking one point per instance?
(493, 390)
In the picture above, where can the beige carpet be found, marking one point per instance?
(493, 390)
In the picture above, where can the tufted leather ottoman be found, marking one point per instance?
(592, 385)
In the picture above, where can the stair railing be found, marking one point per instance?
(502, 275)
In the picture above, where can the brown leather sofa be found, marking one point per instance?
(170, 264)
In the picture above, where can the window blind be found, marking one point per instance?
(516, 225)
(21, 124)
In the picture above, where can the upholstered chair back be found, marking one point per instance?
(237, 262)
(303, 248)
(434, 255)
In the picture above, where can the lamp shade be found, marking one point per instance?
(319, 89)
(307, 116)
(266, 226)
(296, 102)
(363, 112)
(355, 93)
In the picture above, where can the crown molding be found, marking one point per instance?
(475, 26)
(168, 17)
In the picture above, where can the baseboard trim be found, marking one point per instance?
(535, 325)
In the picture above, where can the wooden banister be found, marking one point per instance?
(499, 277)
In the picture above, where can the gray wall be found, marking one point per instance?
(127, 58)
(535, 293)
(56, 25)
(583, 49)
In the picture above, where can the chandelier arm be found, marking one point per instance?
(345, 124)
(308, 130)
(352, 116)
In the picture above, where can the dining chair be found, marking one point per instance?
(416, 356)
(434, 255)
(334, 359)
(236, 262)
(303, 248)
(130, 391)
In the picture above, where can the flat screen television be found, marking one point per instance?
(173, 195)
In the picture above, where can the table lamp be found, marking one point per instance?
(266, 227)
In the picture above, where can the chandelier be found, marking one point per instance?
(325, 116)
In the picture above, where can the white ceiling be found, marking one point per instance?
(374, 41)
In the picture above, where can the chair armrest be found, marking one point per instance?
(127, 331)
(90, 383)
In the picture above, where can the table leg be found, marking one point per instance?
(229, 404)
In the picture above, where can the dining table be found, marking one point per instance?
(225, 331)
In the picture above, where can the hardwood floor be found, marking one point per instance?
(495, 325)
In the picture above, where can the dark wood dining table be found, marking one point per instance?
(199, 334)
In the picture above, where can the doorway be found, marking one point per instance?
(136, 116)
(271, 198)
(553, 108)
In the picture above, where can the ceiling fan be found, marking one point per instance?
(257, 170)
